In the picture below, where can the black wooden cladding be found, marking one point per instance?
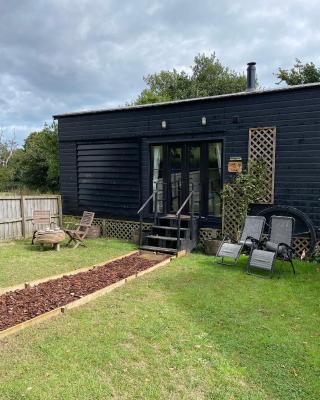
(69, 176)
(108, 177)
(105, 157)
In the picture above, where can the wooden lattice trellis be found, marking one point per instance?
(208, 233)
(230, 216)
(300, 243)
(262, 146)
(112, 228)
(123, 230)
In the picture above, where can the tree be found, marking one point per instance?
(208, 77)
(299, 74)
(7, 148)
(36, 164)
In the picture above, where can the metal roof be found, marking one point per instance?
(199, 99)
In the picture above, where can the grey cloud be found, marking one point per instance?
(64, 55)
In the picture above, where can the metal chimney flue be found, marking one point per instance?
(251, 76)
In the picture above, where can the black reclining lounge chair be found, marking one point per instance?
(278, 245)
(250, 238)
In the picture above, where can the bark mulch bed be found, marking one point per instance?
(22, 305)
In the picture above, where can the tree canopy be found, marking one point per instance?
(37, 163)
(299, 74)
(35, 166)
(208, 77)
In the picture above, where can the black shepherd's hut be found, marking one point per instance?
(110, 159)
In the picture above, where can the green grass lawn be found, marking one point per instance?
(21, 262)
(191, 330)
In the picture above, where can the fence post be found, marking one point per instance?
(60, 210)
(23, 217)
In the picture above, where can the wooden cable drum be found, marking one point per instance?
(50, 237)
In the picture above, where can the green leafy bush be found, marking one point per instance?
(315, 257)
(248, 187)
(36, 165)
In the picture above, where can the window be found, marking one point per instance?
(157, 174)
(214, 184)
(194, 174)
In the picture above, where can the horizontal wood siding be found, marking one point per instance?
(108, 178)
(295, 113)
(68, 177)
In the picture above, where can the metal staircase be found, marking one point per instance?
(170, 233)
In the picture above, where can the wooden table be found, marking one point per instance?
(51, 236)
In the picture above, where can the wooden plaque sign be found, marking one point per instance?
(235, 166)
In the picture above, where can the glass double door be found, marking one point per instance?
(183, 175)
(180, 168)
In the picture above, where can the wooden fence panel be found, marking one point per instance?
(10, 218)
(16, 214)
(32, 203)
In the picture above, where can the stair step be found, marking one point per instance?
(161, 237)
(159, 249)
(172, 228)
(173, 216)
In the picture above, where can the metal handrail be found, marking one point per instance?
(178, 215)
(154, 196)
(184, 203)
(146, 203)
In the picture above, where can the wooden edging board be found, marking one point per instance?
(74, 272)
(79, 302)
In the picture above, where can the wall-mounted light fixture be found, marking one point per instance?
(163, 124)
(204, 121)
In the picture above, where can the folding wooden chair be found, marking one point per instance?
(79, 234)
(41, 219)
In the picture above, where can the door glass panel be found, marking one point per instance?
(214, 187)
(157, 176)
(185, 169)
(194, 174)
(175, 154)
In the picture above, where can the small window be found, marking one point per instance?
(157, 173)
(194, 157)
(215, 177)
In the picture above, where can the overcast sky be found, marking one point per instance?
(66, 55)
